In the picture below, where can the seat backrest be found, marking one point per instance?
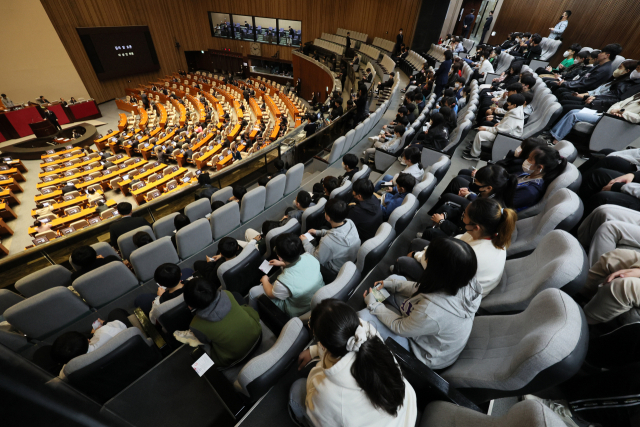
(364, 172)
(294, 178)
(373, 250)
(198, 209)
(43, 279)
(110, 368)
(194, 237)
(104, 284)
(567, 150)
(222, 195)
(566, 179)
(625, 133)
(345, 282)
(225, 219)
(125, 241)
(292, 226)
(350, 140)
(336, 150)
(241, 273)
(343, 192)
(173, 315)
(101, 248)
(164, 226)
(440, 168)
(146, 259)
(8, 299)
(47, 312)
(252, 204)
(359, 133)
(313, 215)
(274, 190)
(424, 188)
(403, 214)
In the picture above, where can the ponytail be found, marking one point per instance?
(502, 238)
(497, 223)
(553, 164)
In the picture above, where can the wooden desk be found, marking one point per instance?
(229, 159)
(65, 179)
(144, 118)
(59, 206)
(60, 161)
(124, 185)
(256, 109)
(7, 212)
(204, 141)
(101, 142)
(60, 153)
(272, 106)
(77, 166)
(9, 196)
(12, 184)
(122, 123)
(239, 113)
(162, 112)
(128, 145)
(201, 161)
(14, 173)
(104, 179)
(198, 106)
(274, 133)
(234, 132)
(159, 184)
(18, 164)
(4, 228)
(126, 106)
(181, 109)
(42, 197)
(146, 152)
(65, 221)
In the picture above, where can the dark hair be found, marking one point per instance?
(516, 99)
(279, 164)
(503, 185)
(199, 293)
(575, 47)
(351, 160)
(411, 107)
(517, 67)
(528, 97)
(527, 35)
(238, 192)
(375, 370)
(216, 205)
(336, 210)
(228, 247)
(363, 187)
(528, 80)
(180, 221)
(304, 199)
(583, 55)
(83, 255)
(402, 110)
(263, 181)
(629, 64)
(536, 39)
(514, 87)
(141, 238)
(37, 223)
(496, 222)
(553, 164)
(437, 118)
(330, 183)
(288, 246)
(414, 155)
(167, 275)
(568, 12)
(452, 265)
(406, 181)
(448, 55)
(530, 144)
(399, 129)
(92, 191)
(448, 93)
(124, 208)
(613, 50)
(69, 346)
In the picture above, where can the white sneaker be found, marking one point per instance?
(187, 337)
(561, 408)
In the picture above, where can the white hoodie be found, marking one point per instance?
(512, 123)
(334, 398)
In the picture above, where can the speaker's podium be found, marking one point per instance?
(43, 128)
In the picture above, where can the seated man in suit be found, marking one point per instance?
(43, 100)
(69, 188)
(337, 109)
(125, 224)
(385, 85)
(368, 77)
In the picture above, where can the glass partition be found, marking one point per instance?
(220, 25)
(290, 32)
(242, 27)
(266, 30)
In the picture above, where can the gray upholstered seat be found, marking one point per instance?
(104, 284)
(125, 241)
(528, 413)
(8, 299)
(625, 132)
(292, 226)
(241, 273)
(403, 214)
(313, 214)
(350, 137)
(569, 178)
(43, 279)
(424, 188)
(440, 168)
(274, 190)
(198, 209)
(294, 178)
(101, 248)
(373, 250)
(563, 211)
(146, 259)
(522, 353)
(557, 262)
(47, 312)
(336, 150)
(164, 226)
(173, 315)
(364, 172)
(359, 133)
(567, 150)
(222, 195)
(343, 192)
(252, 204)
(224, 220)
(193, 238)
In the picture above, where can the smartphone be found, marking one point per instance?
(96, 325)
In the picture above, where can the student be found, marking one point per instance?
(125, 224)
(488, 229)
(432, 317)
(337, 245)
(324, 188)
(141, 238)
(301, 203)
(295, 286)
(436, 137)
(87, 259)
(350, 165)
(167, 277)
(93, 196)
(238, 192)
(228, 248)
(179, 221)
(391, 145)
(230, 329)
(357, 381)
(411, 157)
(366, 212)
(542, 167)
(394, 198)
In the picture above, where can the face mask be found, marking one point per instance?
(566, 53)
(457, 85)
(618, 72)
(635, 74)
(526, 167)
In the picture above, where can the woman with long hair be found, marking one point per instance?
(433, 316)
(356, 381)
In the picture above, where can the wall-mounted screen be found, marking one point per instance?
(266, 30)
(255, 28)
(242, 27)
(220, 25)
(290, 32)
(119, 51)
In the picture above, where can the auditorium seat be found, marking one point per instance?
(567, 150)
(101, 248)
(105, 284)
(363, 173)
(125, 241)
(222, 195)
(424, 188)
(343, 192)
(252, 204)
(224, 220)
(43, 279)
(146, 259)
(403, 214)
(198, 209)
(164, 226)
(8, 299)
(194, 237)
(292, 226)
(241, 273)
(373, 250)
(570, 178)
(440, 168)
(313, 216)
(274, 190)
(349, 141)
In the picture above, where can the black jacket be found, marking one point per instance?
(487, 23)
(468, 20)
(310, 128)
(442, 73)
(336, 112)
(367, 217)
(125, 225)
(595, 77)
(99, 262)
(437, 138)
(619, 91)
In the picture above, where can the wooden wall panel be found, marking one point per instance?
(593, 23)
(314, 79)
(187, 22)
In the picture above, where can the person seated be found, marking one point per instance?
(389, 145)
(299, 281)
(324, 188)
(350, 165)
(73, 101)
(436, 137)
(569, 58)
(382, 86)
(488, 229)
(206, 190)
(337, 109)
(365, 212)
(125, 224)
(231, 329)
(395, 197)
(141, 238)
(69, 187)
(87, 259)
(417, 79)
(41, 226)
(168, 278)
(511, 124)
(577, 69)
(101, 206)
(93, 196)
(337, 245)
(179, 221)
(73, 344)
(301, 203)
(432, 317)
(357, 381)
(411, 111)
(495, 104)
(401, 119)
(310, 128)
(238, 192)
(531, 51)
(410, 158)
(597, 76)
(228, 248)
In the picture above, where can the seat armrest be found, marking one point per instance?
(271, 315)
(321, 159)
(428, 385)
(149, 329)
(502, 145)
